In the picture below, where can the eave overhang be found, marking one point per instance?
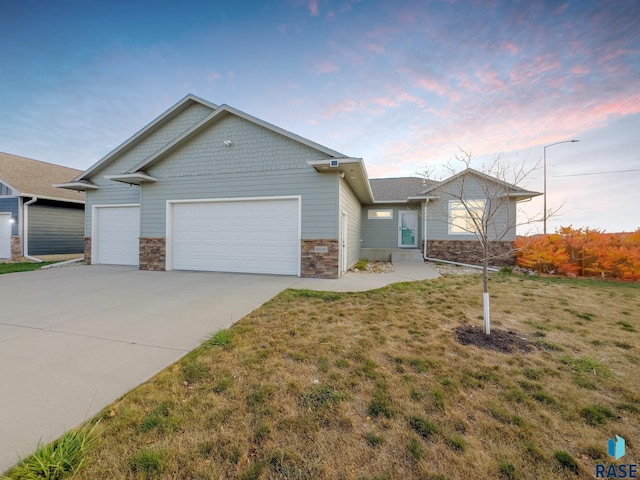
(352, 170)
(78, 186)
(137, 178)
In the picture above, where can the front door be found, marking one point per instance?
(407, 228)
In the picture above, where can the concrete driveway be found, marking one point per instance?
(74, 339)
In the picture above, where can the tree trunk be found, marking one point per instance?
(485, 291)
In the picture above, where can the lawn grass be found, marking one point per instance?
(375, 385)
(21, 266)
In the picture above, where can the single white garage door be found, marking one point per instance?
(247, 236)
(5, 235)
(115, 238)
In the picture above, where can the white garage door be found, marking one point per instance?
(5, 235)
(115, 238)
(248, 236)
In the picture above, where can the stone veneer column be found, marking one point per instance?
(87, 250)
(319, 258)
(153, 253)
(16, 250)
(469, 251)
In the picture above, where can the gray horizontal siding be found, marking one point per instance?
(10, 205)
(383, 232)
(350, 204)
(55, 230)
(112, 194)
(319, 196)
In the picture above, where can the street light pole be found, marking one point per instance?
(544, 164)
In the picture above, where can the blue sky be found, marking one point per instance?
(402, 84)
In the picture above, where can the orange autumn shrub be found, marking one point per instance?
(584, 252)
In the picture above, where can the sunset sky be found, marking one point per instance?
(400, 83)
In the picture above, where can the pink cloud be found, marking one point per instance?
(340, 107)
(375, 48)
(213, 76)
(561, 9)
(313, 7)
(431, 85)
(580, 70)
(325, 67)
(511, 48)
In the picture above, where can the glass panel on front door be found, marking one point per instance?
(408, 229)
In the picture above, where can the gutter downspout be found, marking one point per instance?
(424, 230)
(25, 231)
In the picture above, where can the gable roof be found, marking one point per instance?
(156, 124)
(33, 178)
(514, 191)
(218, 113)
(398, 189)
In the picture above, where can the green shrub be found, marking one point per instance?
(596, 415)
(423, 427)
(59, 459)
(507, 470)
(220, 339)
(414, 448)
(373, 439)
(566, 461)
(148, 463)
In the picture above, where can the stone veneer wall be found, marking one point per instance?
(87, 250)
(16, 248)
(153, 253)
(466, 251)
(316, 263)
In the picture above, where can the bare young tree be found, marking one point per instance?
(482, 204)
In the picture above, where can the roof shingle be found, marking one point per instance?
(399, 189)
(35, 178)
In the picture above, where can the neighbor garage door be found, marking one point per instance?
(5, 235)
(115, 238)
(248, 236)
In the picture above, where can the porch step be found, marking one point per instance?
(410, 255)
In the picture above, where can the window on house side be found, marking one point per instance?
(461, 217)
(380, 214)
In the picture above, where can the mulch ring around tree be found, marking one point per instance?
(500, 340)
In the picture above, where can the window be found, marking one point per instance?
(461, 216)
(387, 213)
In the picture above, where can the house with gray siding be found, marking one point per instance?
(35, 217)
(209, 187)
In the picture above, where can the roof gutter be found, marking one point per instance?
(25, 230)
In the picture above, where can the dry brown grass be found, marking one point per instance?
(374, 385)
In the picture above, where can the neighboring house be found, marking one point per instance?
(208, 187)
(35, 217)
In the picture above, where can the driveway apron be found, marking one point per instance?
(74, 339)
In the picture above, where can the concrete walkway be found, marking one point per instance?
(361, 282)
